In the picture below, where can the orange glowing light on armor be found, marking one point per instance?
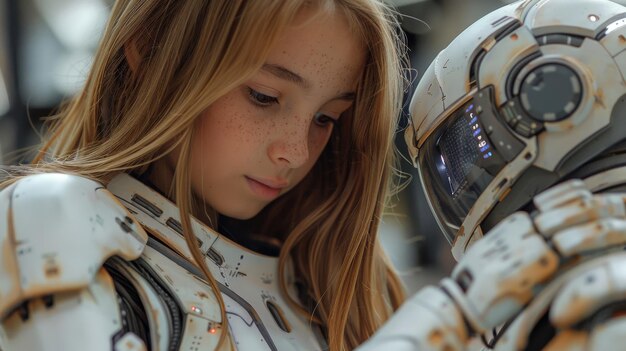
(212, 329)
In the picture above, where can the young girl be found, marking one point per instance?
(270, 122)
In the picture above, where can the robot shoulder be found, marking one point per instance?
(56, 231)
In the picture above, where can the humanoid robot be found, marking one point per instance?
(528, 97)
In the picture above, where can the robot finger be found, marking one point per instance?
(597, 288)
(571, 191)
(591, 237)
(578, 212)
(492, 287)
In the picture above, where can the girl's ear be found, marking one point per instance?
(133, 57)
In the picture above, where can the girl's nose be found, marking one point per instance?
(291, 145)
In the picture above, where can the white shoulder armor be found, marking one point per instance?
(56, 231)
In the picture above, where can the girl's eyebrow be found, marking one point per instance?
(284, 73)
(288, 75)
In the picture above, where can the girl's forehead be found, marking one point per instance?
(321, 48)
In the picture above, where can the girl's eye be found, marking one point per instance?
(261, 99)
(323, 120)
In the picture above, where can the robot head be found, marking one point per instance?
(529, 95)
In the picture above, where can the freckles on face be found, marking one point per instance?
(261, 139)
(332, 57)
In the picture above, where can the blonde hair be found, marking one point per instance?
(192, 53)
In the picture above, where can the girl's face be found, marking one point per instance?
(262, 138)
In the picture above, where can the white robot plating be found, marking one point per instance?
(56, 231)
(85, 275)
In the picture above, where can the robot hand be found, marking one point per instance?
(504, 271)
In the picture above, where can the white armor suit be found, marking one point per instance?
(507, 118)
(134, 291)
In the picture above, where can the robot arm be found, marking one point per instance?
(501, 273)
(56, 231)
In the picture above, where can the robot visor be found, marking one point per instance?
(457, 162)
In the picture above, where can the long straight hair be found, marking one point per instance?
(194, 52)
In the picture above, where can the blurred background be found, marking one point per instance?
(46, 49)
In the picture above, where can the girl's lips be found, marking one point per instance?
(263, 188)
